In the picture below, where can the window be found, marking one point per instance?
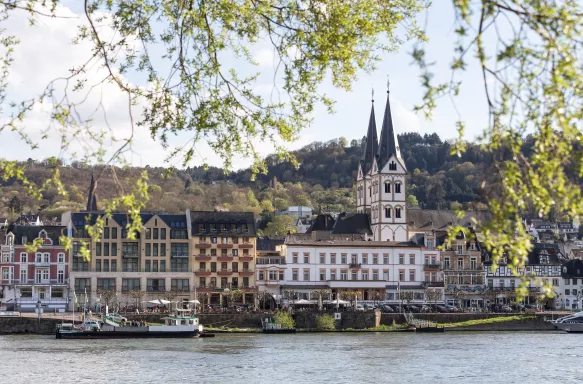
(180, 285)
(567, 291)
(295, 258)
(155, 234)
(354, 276)
(375, 258)
(129, 250)
(80, 264)
(364, 258)
(155, 266)
(398, 188)
(574, 281)
(375, 275)
(343, 258)
(261, 275)
(342, 275)
(235, 267)
(98, 265)
(162, 249)
(398, 213)
(106, 232)
(179, 265)
(148, 249)
(130, 285)
(386, 275)
(24, 257)
(235, 252)
(387, 189)
(306, 275)
(411, 275)
(322, 258)
(61, 258)
(333, 274)
(162, 233)
(306, 258)
(97, 249)
(322, 274)
(385, 259)
(332, 258)
(555, 282)
(213, 252)
(129, 265)
(148, 266)
(566, 281)
(113, 265)
(411, 259)
(23, 276)
(401, 275)
(148, 233)
(179, 249)
(392, 166)
(401, 259)
(106, 249)
(295, 275)
(213, 240)
(156, 285)
(60, 276)
(354, 258)
(106, 265)
(501, 283)
(178, 234)
(460, 263)
(224, 240)
(82, 285)
(364, 275)
(155, 249)
(388, 212)
(106, 284)
(114, 233)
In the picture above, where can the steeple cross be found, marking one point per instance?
(388, 84)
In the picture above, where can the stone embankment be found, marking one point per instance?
(307, 320)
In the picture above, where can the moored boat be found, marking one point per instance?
(174, 327)
(572, 323)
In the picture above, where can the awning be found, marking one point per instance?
(159, 301)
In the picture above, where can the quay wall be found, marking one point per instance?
(16, 325)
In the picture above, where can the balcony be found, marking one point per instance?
(202, 245)
(225, 258)
(246, 258)
(156, 289)
(355, 265)
(222, 246)
(224, 272)
(179, 255)
(431, 265)
(270, 260)
(42, 263)
(272, 283)
(204, 288)
(202, 257)
(449, 267)
(41, 282)
(246, 272)
(246, 245)
(433, 284)
(204, 272)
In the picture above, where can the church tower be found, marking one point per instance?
(363, 185)
(388, 182)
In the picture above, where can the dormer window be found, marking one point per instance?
(10, 239)
(24, 239)
(392, 166)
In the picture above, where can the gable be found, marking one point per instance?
(394, 165)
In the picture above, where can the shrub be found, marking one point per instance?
(284, 319)
(325, 322)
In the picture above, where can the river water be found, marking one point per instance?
(303, 358)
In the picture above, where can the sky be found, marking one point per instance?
(46, 52)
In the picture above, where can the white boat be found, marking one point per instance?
(571, 323)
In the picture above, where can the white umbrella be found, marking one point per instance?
(194, 301)
(159, 301)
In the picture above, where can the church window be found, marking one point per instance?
(387, 187)
(398, 213)
(398, 188)
(392, 166)
(388, 212)
(369, 192)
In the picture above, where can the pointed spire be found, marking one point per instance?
(389, 144)
(92, 197)
(371, 147)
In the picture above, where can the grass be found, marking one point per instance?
(491, 320)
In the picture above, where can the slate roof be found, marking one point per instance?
(266, 243)
(216, 217)
(31, 232)
(543, 249)
(389, 143)
(296, 240)
(424, 220)
(322, 222)
(355, 223)
(372, 142)
(572, 269)
(174, 221)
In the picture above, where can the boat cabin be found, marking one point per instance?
(173, 321)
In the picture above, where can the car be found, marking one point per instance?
(116, 317)
(451, 308)
(506, 308)
(387, 309)
(359, 308)
(426, 309)
(442, 309)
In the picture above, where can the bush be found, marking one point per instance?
(325, 323)
(284, 319)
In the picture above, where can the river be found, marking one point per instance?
(521, 357)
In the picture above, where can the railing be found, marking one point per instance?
(130, 255)
(434, 284)
(245, 270)
(41, 282)
(42, 263)
(354, 265)
(274, 260)
(432, 265)
(449, 267)
(126, 290)
(159, 289)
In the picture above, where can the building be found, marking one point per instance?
(30, 279)
(225, 246)
(544, 262)
(303, 224)
(381, 181)
(270, 265)
(571, 294)
(297, 211)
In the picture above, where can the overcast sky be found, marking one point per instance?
(46, 52)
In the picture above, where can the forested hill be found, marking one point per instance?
(324, 181)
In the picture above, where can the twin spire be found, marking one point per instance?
(388, 145)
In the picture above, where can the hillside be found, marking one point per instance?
(324, 180)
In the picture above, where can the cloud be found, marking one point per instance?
(264, 57)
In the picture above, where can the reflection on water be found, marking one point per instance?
(315, 358)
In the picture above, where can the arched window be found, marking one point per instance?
(388, 212)
(392, 166)
(387, 187)
(397, 187)
(398, 213)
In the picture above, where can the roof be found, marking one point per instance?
(388, 144)
(174, 221)
(221, 217)
(355, 223)
(423, 220)
(31, 232)
(544, 249)
(266, 243)
(294, 240)
(322, 222)
(372, 142)
(573, 269)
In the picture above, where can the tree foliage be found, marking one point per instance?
(325, 322)
(284, 319)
